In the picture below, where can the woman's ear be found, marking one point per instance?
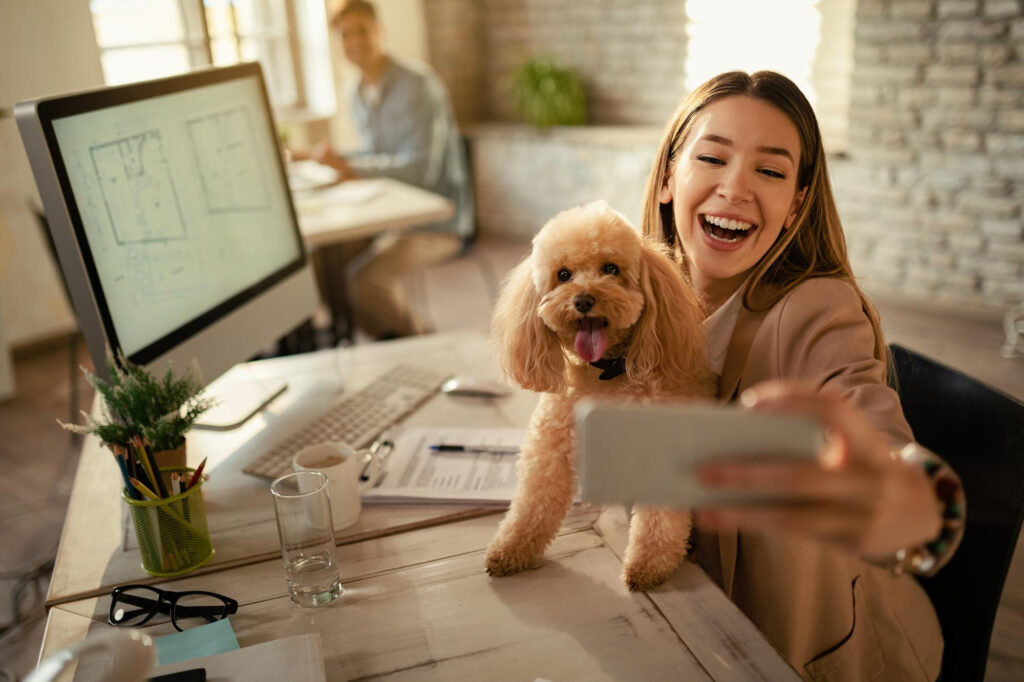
(668, 344)
(798, 202)
(529, 352)
(665, 195)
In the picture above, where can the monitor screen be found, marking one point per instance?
(170, 210)
(176, 206)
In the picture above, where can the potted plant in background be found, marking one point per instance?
(549, 95)
(135, 403)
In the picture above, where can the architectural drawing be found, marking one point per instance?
(138, 190)
(224, 150)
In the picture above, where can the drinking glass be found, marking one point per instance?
(302, 505)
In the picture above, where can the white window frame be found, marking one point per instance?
(300, 17)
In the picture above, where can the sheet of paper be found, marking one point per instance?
(205, 640)
(309, 174)
(415, 473)
(351, 193)
(296, 659)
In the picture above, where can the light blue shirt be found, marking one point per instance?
(410, 134)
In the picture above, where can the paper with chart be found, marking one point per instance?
(414, 473)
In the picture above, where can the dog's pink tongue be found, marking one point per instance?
(591, 341)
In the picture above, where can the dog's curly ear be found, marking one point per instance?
(529, 352)
(668, 344)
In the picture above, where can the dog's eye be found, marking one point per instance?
(564, 275)
(610, 269)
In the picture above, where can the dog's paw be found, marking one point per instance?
(644, 575)
(502, 561)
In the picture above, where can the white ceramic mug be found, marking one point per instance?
(343, 466)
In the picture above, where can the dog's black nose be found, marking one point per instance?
(583, 303)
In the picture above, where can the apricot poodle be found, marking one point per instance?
(598, 311)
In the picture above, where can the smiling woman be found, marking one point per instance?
(740, 192)
(733, 190)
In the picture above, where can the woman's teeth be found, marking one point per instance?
(725, 229)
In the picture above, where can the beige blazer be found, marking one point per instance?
(832, 616)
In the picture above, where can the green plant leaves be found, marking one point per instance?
(136, 403)
(548, 95)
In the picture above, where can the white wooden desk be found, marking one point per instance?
(98, 549)
(417, 604)
(363, 208)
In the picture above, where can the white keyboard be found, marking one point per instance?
(356, 418)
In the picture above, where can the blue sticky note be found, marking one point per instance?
(206, 640)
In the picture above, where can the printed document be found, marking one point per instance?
(414, 473)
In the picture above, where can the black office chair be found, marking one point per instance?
(980, 433)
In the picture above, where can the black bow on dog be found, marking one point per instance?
(612, 368)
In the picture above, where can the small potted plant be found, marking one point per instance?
(135, 403)
(549, 95)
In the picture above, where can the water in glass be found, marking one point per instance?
(313, 580)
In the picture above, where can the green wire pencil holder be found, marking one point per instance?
(172, 533)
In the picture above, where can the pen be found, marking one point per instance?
(494, 449)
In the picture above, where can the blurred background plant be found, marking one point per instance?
(549, 95)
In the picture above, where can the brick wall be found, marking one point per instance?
(831, 71)
(931, 194)
(523, 176)
(455, 41)
(631, 56)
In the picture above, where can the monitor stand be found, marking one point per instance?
(238, 397)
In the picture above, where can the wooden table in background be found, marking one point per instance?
(364, 208)
(356, 210)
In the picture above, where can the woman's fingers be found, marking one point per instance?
(791, 480)
(855, 495)
(873, 515)
(852, 437)
(841, 524)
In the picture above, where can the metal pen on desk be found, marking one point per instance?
(492, 449)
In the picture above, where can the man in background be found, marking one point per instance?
(407, 131)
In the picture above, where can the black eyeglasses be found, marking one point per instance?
(136, 604)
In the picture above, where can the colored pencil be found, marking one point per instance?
(195, 477)
(149, 494)
(149, 464)
(124, 477)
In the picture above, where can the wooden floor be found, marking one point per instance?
(39, 458)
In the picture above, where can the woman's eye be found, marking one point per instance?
(564, 275)
(711, 159)
(610, 269)
(773, 173)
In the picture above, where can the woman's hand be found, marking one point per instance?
(856, 495)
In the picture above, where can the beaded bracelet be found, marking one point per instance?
(928, 558)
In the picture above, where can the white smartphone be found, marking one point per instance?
(647, 454)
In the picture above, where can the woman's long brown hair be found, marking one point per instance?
(813, 245)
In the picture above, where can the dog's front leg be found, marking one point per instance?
(545, 489)
(658, 541)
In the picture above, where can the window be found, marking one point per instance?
(142, 39)
(809, 41)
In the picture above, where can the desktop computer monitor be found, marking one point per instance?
(173, 222)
